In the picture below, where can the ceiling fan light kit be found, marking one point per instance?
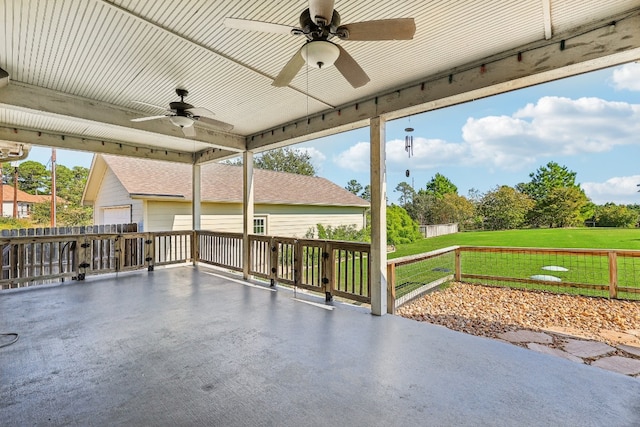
(320, 53)
(181, 121)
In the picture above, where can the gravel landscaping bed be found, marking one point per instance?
(489, 311)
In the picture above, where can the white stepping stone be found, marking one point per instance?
(554, 268)
(545, 277)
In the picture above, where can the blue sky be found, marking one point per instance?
(589, 123)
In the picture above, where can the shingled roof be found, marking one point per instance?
(223, 183)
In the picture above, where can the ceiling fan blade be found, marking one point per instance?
(383, 29)
(321, 10)
(150, 105)
(290, 70)
(265, 27)
(350, 69)
(189, 131)
(215, 123)
(144, 119)
(4, 78)
(200, 112)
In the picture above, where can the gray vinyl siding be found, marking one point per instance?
(112, 194)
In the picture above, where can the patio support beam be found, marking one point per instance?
(70, 142)
(247, 210)
(86, 113)
(378, 265)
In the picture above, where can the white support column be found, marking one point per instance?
(247, 209)
(196, 196)
(378, 271)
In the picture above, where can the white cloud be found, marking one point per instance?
(627, 77)
(356, 158)
(551, 127)
(620, 190)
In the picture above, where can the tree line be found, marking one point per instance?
(35, 178)
(551, 198)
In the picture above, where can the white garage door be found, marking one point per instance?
(117, 215)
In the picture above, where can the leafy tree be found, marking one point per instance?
(612, 215)
(421, 206)
(440, 185)
(33, 177)
(406, 194)
(354, 187)
(561, 207)
(366, 193)
(452, 208)
(546, 178)
(504, 208)
(400, 227)
(286, 160)
(70, 183)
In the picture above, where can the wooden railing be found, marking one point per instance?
(605, 273)
(333, 268)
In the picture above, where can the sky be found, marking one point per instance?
(589, 123)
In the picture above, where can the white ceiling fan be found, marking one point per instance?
(184, 115)
(319, 24)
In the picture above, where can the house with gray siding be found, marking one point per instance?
(157, 196)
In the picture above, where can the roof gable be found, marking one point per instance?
(223, 183)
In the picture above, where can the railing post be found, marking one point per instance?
(328, 270)
(391, 288)
(273, 244)
(119, 247)
(297, 262)
(458, 272)
(83, 248)
(195, 247)
(613, 275)
(149, 256)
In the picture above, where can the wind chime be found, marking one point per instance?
(408, 146)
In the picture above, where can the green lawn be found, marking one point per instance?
(584, 269)
(600, 238)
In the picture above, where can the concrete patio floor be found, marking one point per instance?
(188, 346)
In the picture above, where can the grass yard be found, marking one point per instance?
(588, 238)
(581, 269)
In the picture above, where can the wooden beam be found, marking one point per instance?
(583, 50)
(68, 142)
(546, 16)
(33, 99)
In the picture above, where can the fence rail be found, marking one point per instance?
(589, 272)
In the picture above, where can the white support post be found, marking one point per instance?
(378, 267)
(196, 223)
(196, 196)
(247, 209)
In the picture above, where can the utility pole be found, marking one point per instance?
(53, 187)
(15, 189)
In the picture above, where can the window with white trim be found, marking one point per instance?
(260, 225)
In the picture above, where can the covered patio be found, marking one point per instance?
(189, 345)
(192, 346)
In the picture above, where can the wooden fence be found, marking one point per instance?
(590, 272)
(435, 230)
